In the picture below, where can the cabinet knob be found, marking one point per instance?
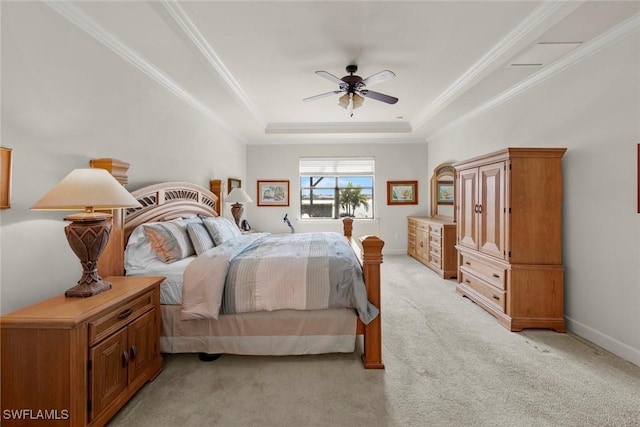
(125, 358)
(125, 314)
(134, 351)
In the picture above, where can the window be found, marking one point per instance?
(336, 187)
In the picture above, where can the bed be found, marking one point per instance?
(309, 328)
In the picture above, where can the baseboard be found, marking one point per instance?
(608, 343)
(394, 251)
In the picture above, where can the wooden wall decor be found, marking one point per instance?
(5, 177)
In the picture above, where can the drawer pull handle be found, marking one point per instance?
(421, 244)
(495, 297)
(467, 262)
(125, 358)
(134, 351)
(496, 275)
(125, 314)
(468, 281)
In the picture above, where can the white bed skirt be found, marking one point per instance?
(274, 333)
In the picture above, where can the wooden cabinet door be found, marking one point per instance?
(142, 347)
(467, 212)
(491, 211)
(422, 244)
(108, 376)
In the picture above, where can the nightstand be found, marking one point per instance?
(79, 360)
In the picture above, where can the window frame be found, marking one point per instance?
(322, 168)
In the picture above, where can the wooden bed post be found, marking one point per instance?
(371, 260)
(370, 257)
(216, 186)
(111, 262)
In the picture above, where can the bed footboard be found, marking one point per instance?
(369, 253)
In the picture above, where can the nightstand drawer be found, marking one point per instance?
(118, 317)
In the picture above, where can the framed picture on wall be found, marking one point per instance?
(402, 192)
(233, 183)
(273, 193)
(5, 177)
(444, 191)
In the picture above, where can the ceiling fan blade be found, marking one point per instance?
(330, 77)
(378, 78)
(322, 95)
(378, 96)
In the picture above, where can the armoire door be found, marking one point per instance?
(491, 209)
(467, 211)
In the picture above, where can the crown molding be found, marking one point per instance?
(89, 26)
(338, 127)
(541, 19)
(190, 29)
(606, 39)
(338, 141)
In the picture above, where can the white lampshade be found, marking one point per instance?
(87, 189)
(238, 195)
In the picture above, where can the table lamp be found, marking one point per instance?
(88, 233)
(237, 197)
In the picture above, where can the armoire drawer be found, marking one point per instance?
(492, 273)
(435, 239)
(492, 294)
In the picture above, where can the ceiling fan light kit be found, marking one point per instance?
(353, 88)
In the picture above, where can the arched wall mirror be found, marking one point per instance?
(443, 191)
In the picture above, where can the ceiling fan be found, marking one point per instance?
(355, 88)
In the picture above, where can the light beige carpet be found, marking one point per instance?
(448, 363)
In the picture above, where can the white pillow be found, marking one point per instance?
(221, 229)
(138, 252)
(200, 238)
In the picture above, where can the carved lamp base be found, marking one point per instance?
(237, 210)
(88, 235)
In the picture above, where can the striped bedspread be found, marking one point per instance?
(305, 271)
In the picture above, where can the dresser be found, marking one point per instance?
(432, 240)
(509, 212)
(77, 361)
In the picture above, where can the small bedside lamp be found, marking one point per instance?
(237, 197)
(88, 233)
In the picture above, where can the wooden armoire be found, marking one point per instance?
(509, 213)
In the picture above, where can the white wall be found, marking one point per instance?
(65, 100)
(593, 109)
(393, 162)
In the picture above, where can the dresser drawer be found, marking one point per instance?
(492, 273)
(435, 229)
(422, 226)
(119, 316)
(435, 261)
(436, 250)
(493, 295)
(435, 239)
